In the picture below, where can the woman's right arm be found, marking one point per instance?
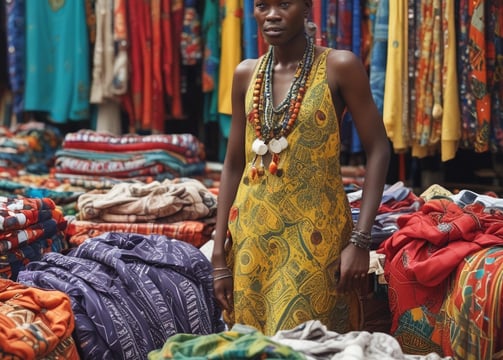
(231, 175)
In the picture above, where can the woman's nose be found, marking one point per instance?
(272, 13)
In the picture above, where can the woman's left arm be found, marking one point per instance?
(352, 88)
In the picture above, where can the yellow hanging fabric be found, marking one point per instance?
(231, 53)
(395, 107)
(451, 119)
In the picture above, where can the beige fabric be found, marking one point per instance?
(167, 201)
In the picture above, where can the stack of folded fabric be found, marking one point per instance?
(29, 227)
(90, 155)
(182, 208)
(28, 147)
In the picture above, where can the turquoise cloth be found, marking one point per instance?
(57, 59)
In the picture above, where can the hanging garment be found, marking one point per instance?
(176, 22)
(379, 54)
(478, 72)
(395, 107)
(57, 60)
(495, 71)
(451, 117)
(428, 80)
(250, 29)
(231, 53)
(211, 60)
(16, 42)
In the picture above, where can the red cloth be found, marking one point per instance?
(428, 247)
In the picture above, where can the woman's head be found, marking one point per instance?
(282, 20)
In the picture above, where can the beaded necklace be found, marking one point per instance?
(273, 124)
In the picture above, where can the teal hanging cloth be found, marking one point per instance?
(57, 60)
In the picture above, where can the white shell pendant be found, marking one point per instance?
(284, 142)
(275, 146)
(259, 147)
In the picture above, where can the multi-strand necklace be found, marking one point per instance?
(273, 124)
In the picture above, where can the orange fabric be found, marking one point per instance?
(196, 233)
(176, 30)
(167, 49)
(35, 323)
(145, 30)
(135, 99)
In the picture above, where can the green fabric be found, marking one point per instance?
(231, 345)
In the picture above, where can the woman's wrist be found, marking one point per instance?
(361, 239)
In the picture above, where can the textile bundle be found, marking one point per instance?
(444, 279)
(169, 201)
(130, 292)
(29, 147)
(35, 323)
(196, 233)
(99, 155)
(29, 228)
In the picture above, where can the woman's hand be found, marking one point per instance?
(223, 287)
(354, 267)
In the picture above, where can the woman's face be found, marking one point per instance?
(280, 20)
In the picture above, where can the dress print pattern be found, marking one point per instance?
(285, 250)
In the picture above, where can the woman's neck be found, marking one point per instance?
(289, 54)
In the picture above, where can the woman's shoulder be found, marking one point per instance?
(243, 73)
(246, 66)
(339, 57)
(343, 64)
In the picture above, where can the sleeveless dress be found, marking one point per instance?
(288, 231)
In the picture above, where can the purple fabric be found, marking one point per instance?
(131, 292)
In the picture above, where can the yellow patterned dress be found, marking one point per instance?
(288, 231)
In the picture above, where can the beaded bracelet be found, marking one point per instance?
(222, 277)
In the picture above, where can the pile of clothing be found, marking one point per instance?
(29, 228)
(184, 209)
(130, 292)
(35, 323)
(28, 147)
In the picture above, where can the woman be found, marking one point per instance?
(293, 251)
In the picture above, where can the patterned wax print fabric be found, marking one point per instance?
(288, 230)
(468, 324)
(35, 323)
(130, 292)
(240, 342)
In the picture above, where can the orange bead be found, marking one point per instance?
(253, 172)
(273, 167)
